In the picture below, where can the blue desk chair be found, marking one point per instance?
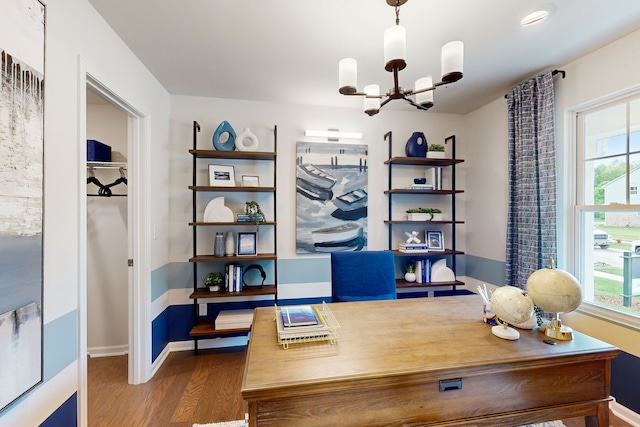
(362, 275)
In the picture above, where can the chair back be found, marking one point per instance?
(362, 276)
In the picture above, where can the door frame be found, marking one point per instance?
(138, 202)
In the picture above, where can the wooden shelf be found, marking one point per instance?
(421, 223)
(412, 191)
(247, 291)
(222, 154)
(401, 283)
(428, 254)
(212, 258)
(421, 161)
(229, 224)
(205, 328)
(233, 189)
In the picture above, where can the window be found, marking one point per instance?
(607, 255)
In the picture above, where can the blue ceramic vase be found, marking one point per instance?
(416, 145)
(230, 143)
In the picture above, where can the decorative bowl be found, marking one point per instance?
(419, 180)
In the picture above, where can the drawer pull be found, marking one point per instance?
(452, 384)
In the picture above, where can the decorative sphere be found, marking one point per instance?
(554, 290)
(511, 304)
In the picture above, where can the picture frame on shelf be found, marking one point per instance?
(247, 243)
(250, 181)
(434, 240)
(222, 176)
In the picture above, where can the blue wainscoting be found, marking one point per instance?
(66, 415)
(625, 377)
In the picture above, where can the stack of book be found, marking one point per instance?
(301, 321)
(244, 217)
(234, 319)
(233, 277)
(413, 248)
(421, 187)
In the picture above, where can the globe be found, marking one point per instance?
(554, 290)
(511, 304)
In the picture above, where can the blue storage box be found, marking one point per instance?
(97, 151)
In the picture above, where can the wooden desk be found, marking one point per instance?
(393, 357)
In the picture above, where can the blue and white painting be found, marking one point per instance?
(331, 197)
(22, 36)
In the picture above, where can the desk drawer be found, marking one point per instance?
(417, 398)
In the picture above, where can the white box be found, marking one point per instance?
(234, 319)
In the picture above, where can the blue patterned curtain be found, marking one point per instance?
(531, 227)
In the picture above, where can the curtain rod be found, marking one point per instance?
(553, 73)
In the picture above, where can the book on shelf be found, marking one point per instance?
(233, 277)
(234, 319)
(241, 217)
(413, 247)
(421, 187)
(300, 315)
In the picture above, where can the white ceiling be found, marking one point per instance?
(288, 50)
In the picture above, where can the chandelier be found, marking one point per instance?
(395, 48)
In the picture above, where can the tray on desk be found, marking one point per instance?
(306, 334)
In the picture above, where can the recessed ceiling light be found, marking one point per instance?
(534, 17)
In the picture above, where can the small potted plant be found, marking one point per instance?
(213, 281)
(424, 214)
(254, 211)
(435, 151)
(410, 276)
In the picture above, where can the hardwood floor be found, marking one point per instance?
(186, 390)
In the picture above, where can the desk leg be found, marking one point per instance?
(601, 419)
(253, 419)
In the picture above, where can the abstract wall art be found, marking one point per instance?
(22, 51)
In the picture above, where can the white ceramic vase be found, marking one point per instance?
(410, 277)
(230, 244)
(247, 141)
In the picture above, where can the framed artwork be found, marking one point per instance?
(331, 197)
(221, 176)
(250, 181)
(247, 243)
(22, 41)
(435, 240)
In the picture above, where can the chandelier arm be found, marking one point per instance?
(418, 106)
(385, 102)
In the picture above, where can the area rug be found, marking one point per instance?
(245, 422)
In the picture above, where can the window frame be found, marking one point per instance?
(575, 170)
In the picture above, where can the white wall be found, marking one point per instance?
(76, 34)
(487, 193)
(292, 120)
(107, 244)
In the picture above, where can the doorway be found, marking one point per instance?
(134, 296)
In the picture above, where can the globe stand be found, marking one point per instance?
(504, 331)
(557, 330)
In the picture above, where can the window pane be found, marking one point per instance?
(610, 268)
(605, 132)
(634, 125)
(605, 181)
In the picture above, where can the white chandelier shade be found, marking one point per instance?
(395, 53)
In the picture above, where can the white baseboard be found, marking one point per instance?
(116, 350)
(624, 413)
